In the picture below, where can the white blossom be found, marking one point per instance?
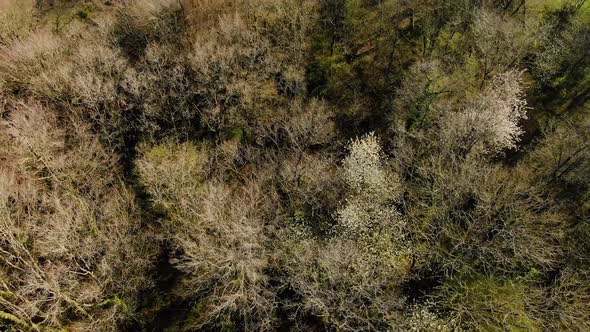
(373, 188)
(493, 119)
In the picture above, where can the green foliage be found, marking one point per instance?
(326, 74)
(482, 303)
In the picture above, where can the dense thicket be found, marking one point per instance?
(295, 165)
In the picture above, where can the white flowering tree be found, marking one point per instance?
(353, 280)
(492, 120)
(373, 189)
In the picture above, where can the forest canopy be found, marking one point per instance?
(295, 165)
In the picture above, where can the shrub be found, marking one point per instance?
(23, 64)
(74, 252)
(146, 21)
(502, 42)
(486, 217)
(422, 319)
(563, 154)
(172, 172)
(566, 304)
(312, 192)
(219, 232)
(344, 285)
(482, 303)
(16, 20)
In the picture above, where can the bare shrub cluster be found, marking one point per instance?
(71, 251)
(219, 232)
